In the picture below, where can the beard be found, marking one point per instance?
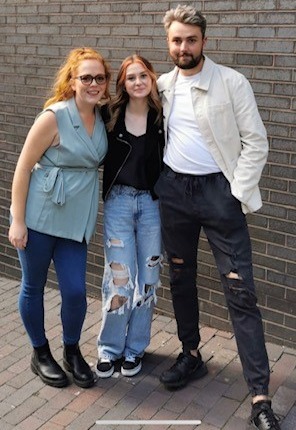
(189, 62)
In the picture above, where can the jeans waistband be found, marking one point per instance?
(127, 190)
(171, 173)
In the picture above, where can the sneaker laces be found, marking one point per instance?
(267, 416)
(180, 359)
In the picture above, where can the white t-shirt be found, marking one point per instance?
(187, 152)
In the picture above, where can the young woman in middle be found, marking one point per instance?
(132, 237)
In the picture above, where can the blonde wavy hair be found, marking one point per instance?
(121, 97)
(62, 89)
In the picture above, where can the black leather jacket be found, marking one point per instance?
(119, 149)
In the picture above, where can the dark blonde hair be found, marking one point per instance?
(121, 97)
(62, 89)
(185, 15)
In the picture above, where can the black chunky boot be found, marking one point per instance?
(75, 364)
(44, 365)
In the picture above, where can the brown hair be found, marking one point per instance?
(62, 89)
(185, 15)
(122, 97)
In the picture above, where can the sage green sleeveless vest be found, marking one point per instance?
(64, 187)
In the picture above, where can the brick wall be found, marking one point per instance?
(253, 36)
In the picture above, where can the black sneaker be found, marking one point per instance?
(262, 416)
(131, 366)
(186, 367)
(104, 368)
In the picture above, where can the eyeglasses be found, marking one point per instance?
(88, 79)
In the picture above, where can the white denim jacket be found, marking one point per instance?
(228, 118)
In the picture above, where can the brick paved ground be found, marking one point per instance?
(220, 400)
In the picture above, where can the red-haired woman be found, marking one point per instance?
(132, 236)
(54, 208)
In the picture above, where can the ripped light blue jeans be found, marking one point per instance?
(132, 242)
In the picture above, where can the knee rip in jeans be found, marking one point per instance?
(120, 275)
(177, 264)
(116, 243)
(154, 261)
(148, 289)
(150, 295)
(117, 302)
(234, 282)
(233, 275)
(177, 260)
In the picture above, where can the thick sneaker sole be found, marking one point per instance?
(131, 372)
(53, 383)
(200, 372)
(105, 374)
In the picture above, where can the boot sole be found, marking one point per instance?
(82, 384)
(198, 374)
(47, 381)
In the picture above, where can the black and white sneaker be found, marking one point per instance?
(131, 366)
(263, 417)
(104, 368)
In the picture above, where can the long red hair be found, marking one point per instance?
(62, 89)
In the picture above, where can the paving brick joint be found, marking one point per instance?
(220, 400)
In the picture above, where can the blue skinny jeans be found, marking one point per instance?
(69, 258)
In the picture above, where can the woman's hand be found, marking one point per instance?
(18, 235)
